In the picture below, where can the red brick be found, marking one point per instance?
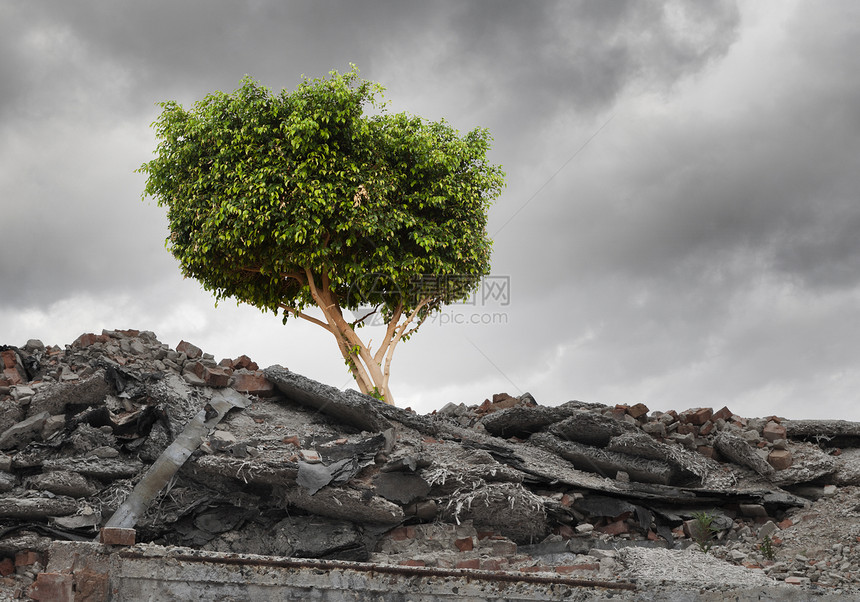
(27, 558)
(638, 410)
(614, 528)
(7, 567)
(533, 569)
(697, 416)
(412, 562)
(493, 564)
(91, 586)
(402, 533)
(294, 440)
(485, 534)
(707, 451)
(780, 459)
(117, 536)
(465, 544)
(215, 377)
(773, 431)
(243, 361)
(191, 351)
(565, 531)
(471, 563)
(252, 383)
(89, 338)
(652, 536)
(707, 428)
(53, 587)
(724, 413)
(570, 568)
(8, 359)
(785, 524)
(688, 429)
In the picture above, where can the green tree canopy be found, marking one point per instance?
(297, 199)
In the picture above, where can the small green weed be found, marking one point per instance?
(703, 531)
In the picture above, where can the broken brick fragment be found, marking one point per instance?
(245, 362)
(492, 564)
(53, 587)
(697, 416)
(117, 536)
(253, 383)
(27, 558)
(780, 459)
(89, 338)
(773, 431)
(614, 528)
(723, 413)
(464, 544)
(638, 410)
(7, 567)
(412, 562)
(708, 451)
(471, 563)
(192, 352)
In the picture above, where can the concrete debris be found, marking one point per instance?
(270, 462)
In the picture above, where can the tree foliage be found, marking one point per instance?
(297, 199)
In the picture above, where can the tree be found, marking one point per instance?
(299, 199)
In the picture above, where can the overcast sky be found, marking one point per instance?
(680, 225)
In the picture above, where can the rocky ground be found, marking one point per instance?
(285, 466)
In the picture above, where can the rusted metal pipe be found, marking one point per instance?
(410, 571)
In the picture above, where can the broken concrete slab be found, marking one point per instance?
(506, 508)
(522, 421)
(62, 482)
(8, 481)
(56, 399)
(320, 537)
(231, 469)
(103, 469)
(400, 487)
(343, 504)
(36, 507)
(22, 433)
(350, 407)
(590, 428)
(606, 463)
(830, 433)
(690, 466)
(737, 449)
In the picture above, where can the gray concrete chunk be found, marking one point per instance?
(590, 428)
(738, 450)
(350, 407)
(20, 434)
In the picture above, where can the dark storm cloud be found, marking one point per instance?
(542, 58)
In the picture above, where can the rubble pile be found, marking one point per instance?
(270, 462)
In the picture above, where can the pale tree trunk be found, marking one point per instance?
(370, 370)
